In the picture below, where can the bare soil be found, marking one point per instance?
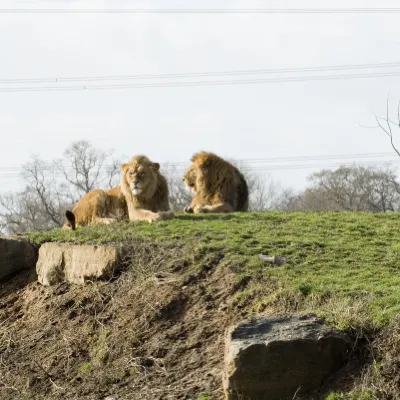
(154, 332)
(144, 335)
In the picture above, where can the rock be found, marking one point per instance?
(76, 263)
(275, 260)
(275, 357)
(15, 255)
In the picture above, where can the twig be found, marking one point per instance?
(48, 376)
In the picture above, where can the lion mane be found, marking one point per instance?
(217, 184)
(142, 195)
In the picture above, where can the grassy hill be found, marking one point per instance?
(156, 331)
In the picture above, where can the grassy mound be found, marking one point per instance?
(156, 331)
(343, 261)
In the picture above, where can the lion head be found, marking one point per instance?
(140, 175)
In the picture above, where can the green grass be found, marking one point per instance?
(85, 368)
(203, 396)
(350, 396)
(344, 266)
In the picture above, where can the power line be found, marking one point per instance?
(249, 161)
(201, 1)
(322, 157)
(198, 83)
(200, 10)
(296, 158)
(276, 167)
(299, 158)
(201, 74)
(333, 165)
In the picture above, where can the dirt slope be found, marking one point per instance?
(144, 335)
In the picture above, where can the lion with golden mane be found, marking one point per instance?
(142, 196)
(218, 186)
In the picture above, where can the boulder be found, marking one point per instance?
(15, 255)
(276, 357)
(76, 263)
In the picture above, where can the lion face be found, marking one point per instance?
(190, 178)
(140, 174)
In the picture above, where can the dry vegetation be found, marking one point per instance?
(155, 331)
(150, 333)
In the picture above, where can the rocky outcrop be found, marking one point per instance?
(15, 255)
(76, 263)
(275, 358)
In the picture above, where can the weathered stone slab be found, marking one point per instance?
(15, 255)
(75, 263)
(273, 358)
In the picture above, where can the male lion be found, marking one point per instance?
(217, 184)
(143, 195)
(145, 190)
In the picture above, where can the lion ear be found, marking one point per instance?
(124, 167)
(155, 166)
(202, 159)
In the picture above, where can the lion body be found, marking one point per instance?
(217, 184)
(98, 207)
(149, 200)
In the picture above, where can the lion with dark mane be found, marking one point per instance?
(142, 196)
(218, 186)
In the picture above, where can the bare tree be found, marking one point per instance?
(41, 181)
(40, 206)
(387, 124)
(179, 195)
(51, 187)
(85, 168)
(22, 212)
(264, 193)
(11, 220)
(311, 199)
(113, 172)
(353, 188)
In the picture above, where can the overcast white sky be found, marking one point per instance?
(170, 124)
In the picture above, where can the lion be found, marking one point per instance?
(145, 190)
(218, 186)
(98, 207)
(142, 196)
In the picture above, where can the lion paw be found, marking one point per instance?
(188, 210)
(199, 209)
(161, 216)
(153, 218)
(108, 221)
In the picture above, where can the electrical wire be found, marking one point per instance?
(198, 83)
(275, 159)
(376, 10)
(200, 74)
(180, 167)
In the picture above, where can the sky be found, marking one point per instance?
(169, 124)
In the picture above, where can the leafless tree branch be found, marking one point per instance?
(52, 187)
(388, 130)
